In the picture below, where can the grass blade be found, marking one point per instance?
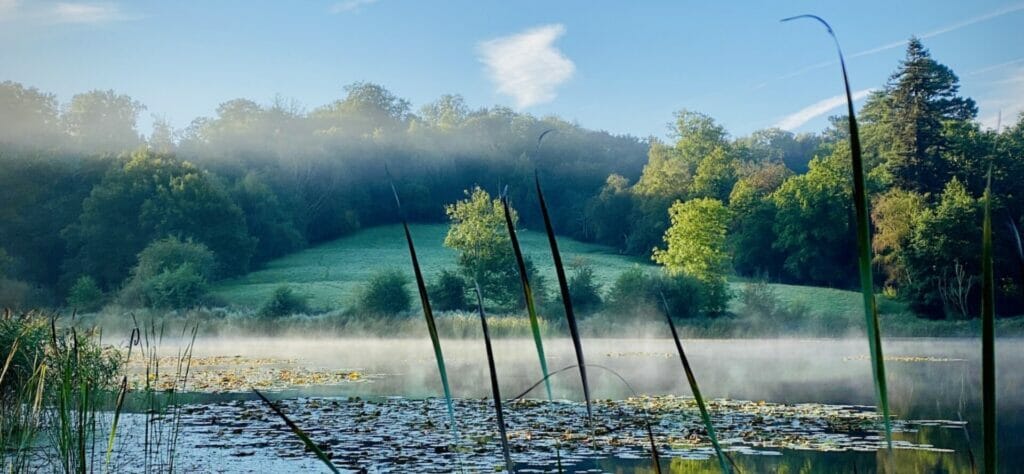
(1020, 250)
(428, 314)
(494, 381)
(692, 379)
(298, 432)
(563, 284)
(531, 308)
(988, 316)
(117, 416)
(860, 199)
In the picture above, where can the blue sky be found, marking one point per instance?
(618, 66)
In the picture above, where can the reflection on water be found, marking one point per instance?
(928, 379)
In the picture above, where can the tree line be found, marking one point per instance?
(92, 205)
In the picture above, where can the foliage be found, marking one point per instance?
(85, 295)
(485, 255)
(696, 247)
(284, 302)
(170, 273)
(386, 294)
(813, 223)
(448, 293)
(584, 290)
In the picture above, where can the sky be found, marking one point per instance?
(624, 67)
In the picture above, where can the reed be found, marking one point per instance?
(988, 353)
(495, 390)
(428, 314)
(563, 286)
(524, 278)
(310, 445)
(692, 380)
(860, 200)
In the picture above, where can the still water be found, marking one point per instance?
(809, 386)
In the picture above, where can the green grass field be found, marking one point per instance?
(331, 274)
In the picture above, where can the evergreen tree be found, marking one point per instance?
(921, 95)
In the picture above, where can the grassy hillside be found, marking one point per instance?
(332, 273)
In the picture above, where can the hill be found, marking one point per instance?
(332, 273)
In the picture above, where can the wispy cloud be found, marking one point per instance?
(897, 44)
(797, 119)
(67, 12)
(527, 66)
(1005, 102)
(8, 8)
(995, 67)
(350, 5)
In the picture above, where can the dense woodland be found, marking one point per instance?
(92, 208)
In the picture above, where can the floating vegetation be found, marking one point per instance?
(410, 435)
(221, 374)
(891, 358)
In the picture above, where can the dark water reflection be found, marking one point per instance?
(928, 379)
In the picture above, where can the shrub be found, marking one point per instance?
(85, 295)
(170, 273)
(583, 288)
(631, 291)
(635, 291)
(183, 287)
(758, 299)
(448, 293)
(386, 294)
(284, 302)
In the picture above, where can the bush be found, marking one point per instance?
(583, 288)
(170, 273)
(85, 295)
(183, 287)
(630, 291)
(284, 302)
(386, 294)
(448, 293)
(636, 291)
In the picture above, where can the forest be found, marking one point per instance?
(95, 211)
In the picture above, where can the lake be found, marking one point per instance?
(781, 405)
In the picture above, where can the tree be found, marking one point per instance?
(478, 233)
(752, 234)
(893, 215)
(147, 198)
(813, 223)
(103, 121)
(696, 247)
(85, 295)
(715, 176)
(921, 95)
(942, 255)
(609, 212)
(584, 290)
(28, 117)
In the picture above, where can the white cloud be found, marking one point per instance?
(527, 66)
(66, 12)
(797, 119)
(350, 5)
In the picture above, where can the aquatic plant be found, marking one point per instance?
(495, 391)
(531, 307)
(421, 286)
(860, 201)
(563, 284)
(988, 355)
(692, 380)
(310, 445)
